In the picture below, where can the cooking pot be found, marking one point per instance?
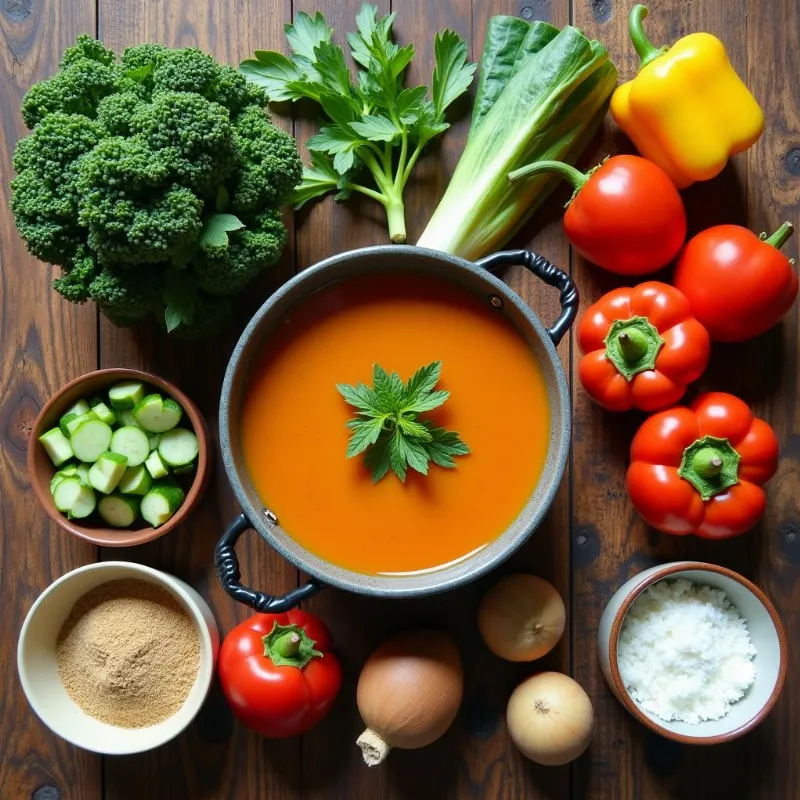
(478, 278)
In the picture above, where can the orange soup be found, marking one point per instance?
(294, 435)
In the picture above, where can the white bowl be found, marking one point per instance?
(38, 668)
(766, 633)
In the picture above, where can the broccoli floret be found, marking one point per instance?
(269, 167)
(193, 134)
(125, 165)
(115, 111)
(77, 276)
(227, 270)
(87, 47)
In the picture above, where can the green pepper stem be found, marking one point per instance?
(646, 50)
(707, 462)
(633, 344)
(574, 176)
(778, 239)
(287, 645)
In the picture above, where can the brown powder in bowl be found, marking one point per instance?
(128, 653)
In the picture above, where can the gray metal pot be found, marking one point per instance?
(479, 278)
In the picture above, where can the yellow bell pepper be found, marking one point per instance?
(687, 110)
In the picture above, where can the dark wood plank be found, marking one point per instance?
(215, 758)
(45, 343)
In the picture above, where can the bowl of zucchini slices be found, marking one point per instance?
(119, 457)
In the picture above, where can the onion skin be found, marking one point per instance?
(550, 719)
(409, 693)
(521, 618)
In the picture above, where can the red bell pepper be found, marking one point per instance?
(700, 469)
(278, 672)
(738, 284)
(625, 215)
(642, 348)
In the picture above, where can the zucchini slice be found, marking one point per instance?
(178, 447)
(136, 480)
(57, 446)
(119, 510)
(131, 442)
(64, 472)
(107, 472)
(103, 412)
(80, 407)
(90, 440)
(161, 502)
(156, 466)
(157, 414)
(126, 394)
(74, 499)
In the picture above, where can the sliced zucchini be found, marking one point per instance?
(136, 480)
(103, 412)
(64, 422)
(157, 414)
(73, 498)
(57, 446)
(125, 417)
(83, 473)
(72, 423)
(156, 466)
(81, 407)
(186, 468)
(119, 510)
(64, 472)
(161, 502)
(132, 443)
(90, 440)
(154, 439)
(178, 447)
(107, 472)
(126, 394)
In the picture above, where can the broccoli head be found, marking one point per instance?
(160, 165)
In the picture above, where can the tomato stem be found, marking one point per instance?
(778, 239)
(289, 646)
(711, 465)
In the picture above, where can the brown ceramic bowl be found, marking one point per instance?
(766, 632)
(41, 469)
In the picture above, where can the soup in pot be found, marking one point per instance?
(294, 434)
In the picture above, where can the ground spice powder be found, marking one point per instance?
(128, 653)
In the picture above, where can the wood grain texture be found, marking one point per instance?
(215, 758)
(590, 542)
(45, 343)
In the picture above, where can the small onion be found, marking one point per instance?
(550, 719)
(408, 693)
(521, 618)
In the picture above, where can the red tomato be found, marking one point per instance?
(278, 672)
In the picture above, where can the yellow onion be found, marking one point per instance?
(550, 718)
(521, 618)
(408, 693)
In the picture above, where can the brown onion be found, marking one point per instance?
(550, 718)
(409, 692)
(521, 618)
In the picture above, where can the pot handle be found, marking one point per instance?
(550, 274)
(227, 565)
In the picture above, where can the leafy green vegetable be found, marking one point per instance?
(387, 427)
(155, 182)
(548, 109)
(372, 125)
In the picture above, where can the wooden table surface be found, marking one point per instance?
(592, 540)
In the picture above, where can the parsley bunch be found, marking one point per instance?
(373, 125)
(387, 424)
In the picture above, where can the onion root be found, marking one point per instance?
(373, 748)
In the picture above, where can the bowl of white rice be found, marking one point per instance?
(695, 651)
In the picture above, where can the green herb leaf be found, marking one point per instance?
(376, 128)
(387, 429)
(452, 74)
(277, 75)
(307, 33)
(318, 179)
(332, 68)
(138, 74)
(216, 228)
(179, 298)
